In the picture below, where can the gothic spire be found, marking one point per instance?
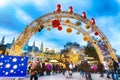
(41, 47)
(33, 46)
(13, 40)
(3, 40)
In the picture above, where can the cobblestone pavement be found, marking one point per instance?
(76, 76)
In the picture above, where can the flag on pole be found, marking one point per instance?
(13, 66)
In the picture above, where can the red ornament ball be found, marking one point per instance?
(83, 14)
(55, 23)
(93, 21)
(58, 6)
(59, 28)
(70, 7)
(96, 33)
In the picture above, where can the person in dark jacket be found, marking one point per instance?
(86, 69)
(100, 69)
(116, 66)
(82, 68)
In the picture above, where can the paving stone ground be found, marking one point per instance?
(76, 76)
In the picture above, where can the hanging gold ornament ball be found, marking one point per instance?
(87, 26)
(67, 21)
(78, 23)
(78, 33)
(69, 30)
(85, 38)
(49, 29)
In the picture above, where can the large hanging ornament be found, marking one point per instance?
(85, 38)
(59, 28)
(83, 14)
(49, 29)
(92, 21)
(96, 33)
(58, 9)
(55, 23)
(69, 30)
(87, 26)
(67, 21)
(78, 23)
(70, 9)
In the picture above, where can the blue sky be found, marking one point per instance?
(16, 14)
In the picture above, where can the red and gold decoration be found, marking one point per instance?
(96, 33)
(78, 23)
(83, 14)
(85, 38)
(70, 9)
(69, 30)
(58, 9)
(93, 21)
(55, 23)
(60, 28)
(67, 21)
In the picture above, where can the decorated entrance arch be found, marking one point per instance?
(59, 18)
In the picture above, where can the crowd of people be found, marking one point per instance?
(106, 68)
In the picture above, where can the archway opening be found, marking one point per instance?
(73, 20)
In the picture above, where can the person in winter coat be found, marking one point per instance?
(86, 69)
(100, 69)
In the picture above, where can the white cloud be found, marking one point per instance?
(42, 5)
(9, 34)
(54, 39)
(118, 1)
(21, 2)
(14, 2)
(23, 17)
(3, 3)
(110, 27)
(51, 5)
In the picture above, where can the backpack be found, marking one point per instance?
(34, 69)
(116, 65)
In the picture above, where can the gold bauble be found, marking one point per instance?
(69, 30)
(87, 26)
(67, 21)
(85, 38)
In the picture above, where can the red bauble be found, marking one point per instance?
(70, 9)
(58, 6)
(55, 23)
(93, 21)
(96, 33)
(58, 9)
(83, 14)
(59, 28)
